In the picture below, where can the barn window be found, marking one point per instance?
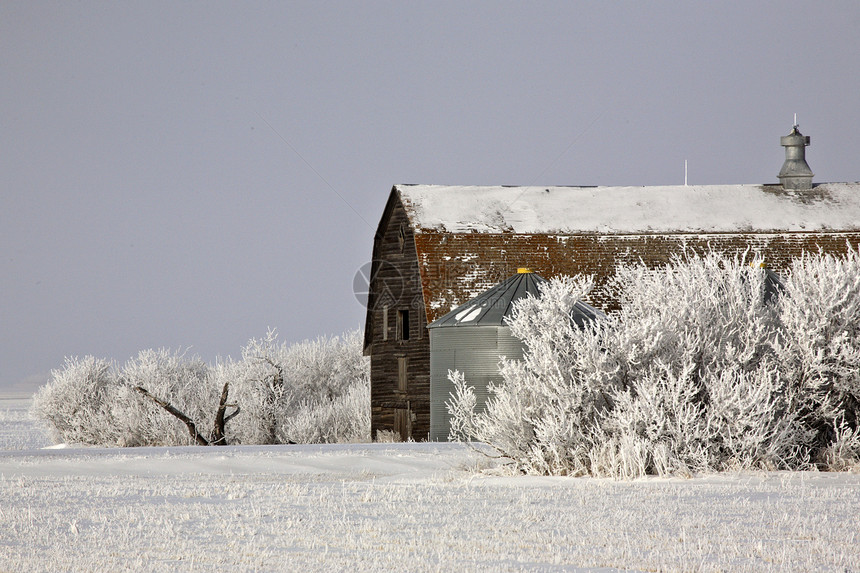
(385, 323)
(401, 237)
(402, 373)
(403, 325)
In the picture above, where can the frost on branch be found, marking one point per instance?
(820, 347)
(461, 408)
(310, 392)
(543, 414)
(701, 370)
(77, 402)
(313, 391)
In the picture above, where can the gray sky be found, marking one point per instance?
(189, 174)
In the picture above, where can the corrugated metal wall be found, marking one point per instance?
(474, 351)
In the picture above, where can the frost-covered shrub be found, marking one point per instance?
(387, 437)
(843, 452)
(342, 419)
(186, 382)
(700, 370)
(314, 391)
(92, 401)
(76, 403)
(544, 413)
(819, 350)
(306, 392)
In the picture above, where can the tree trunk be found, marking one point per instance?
(218, 437)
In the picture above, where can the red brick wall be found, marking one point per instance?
(457, 267)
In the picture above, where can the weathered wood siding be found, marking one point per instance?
(396, 286)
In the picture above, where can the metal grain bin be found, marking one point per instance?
(473, 337)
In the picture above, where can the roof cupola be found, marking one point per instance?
(795, 174)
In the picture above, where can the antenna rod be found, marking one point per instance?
(795, 120)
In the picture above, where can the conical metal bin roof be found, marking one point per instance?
(492, 306)
(773, 285)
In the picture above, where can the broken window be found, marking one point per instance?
(403, 325)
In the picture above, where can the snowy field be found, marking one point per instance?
(396, 507)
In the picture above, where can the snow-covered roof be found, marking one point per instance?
(658, 209)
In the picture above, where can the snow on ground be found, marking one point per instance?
(399, 507)
(17, 430)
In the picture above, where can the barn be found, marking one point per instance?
(437, 247)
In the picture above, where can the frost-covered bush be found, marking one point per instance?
(313, 391)
(702, 369)
(343, 418)
(186, 382)
(544, 413)
(77, 402)
(819, 350)
(94, 402)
